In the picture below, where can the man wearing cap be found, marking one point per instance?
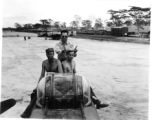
(63, 46)
(49, 65)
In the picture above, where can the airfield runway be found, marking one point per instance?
(118, 73)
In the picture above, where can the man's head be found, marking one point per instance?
(50, 53)
(70, 55)
(64, 36)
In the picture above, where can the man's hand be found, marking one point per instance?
(58, 52)
(75, 52)
(63, 51)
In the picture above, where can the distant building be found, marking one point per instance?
(127, 30)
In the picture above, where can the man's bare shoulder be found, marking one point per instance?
(56, 60)
(45, 62)
(64, 62)
(73, 62)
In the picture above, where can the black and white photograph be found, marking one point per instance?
(75, 59)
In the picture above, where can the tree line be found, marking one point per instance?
(134, 16)
(44, 24)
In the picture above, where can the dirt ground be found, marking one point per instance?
(118, 72)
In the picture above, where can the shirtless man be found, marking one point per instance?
(49, 65)
(69, 66)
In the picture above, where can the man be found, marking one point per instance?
(49, 65)
(69, 66)
(24, 38)
(63, 46)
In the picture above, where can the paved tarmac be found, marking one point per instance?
(118, 73)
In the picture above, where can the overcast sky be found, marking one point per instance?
(31, 11)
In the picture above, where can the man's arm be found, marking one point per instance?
(59, 66)
(57, 49)
(64, 67)
(74, 70)
(74, 48)
(42, 72)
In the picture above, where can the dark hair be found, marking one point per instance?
(49, 50)
(64, 31)
(69, 51)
